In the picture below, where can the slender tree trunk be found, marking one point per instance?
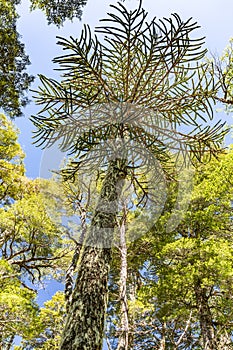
(162, 345)
(124, 331)
(69, 281)
(84, 327)
(132, 297)
(205, 318)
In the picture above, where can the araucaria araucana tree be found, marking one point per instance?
(120, 91)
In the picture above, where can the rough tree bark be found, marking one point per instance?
(85, 321)
(205, 318)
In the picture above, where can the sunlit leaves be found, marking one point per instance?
(17, 305)
(48, 325)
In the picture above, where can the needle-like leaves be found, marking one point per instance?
(150, 71)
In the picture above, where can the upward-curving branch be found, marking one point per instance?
(123, 96)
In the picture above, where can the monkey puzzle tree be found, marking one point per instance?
(119, 107)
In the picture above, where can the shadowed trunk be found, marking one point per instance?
(205, 318)
(84, 327)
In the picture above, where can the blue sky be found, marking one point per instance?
(215, 18)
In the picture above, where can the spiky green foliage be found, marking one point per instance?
(145, 69)
(48, 325)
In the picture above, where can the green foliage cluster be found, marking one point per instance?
(57, 11)
(14, 80)
(11, 162)
(31, 241)
(48, 326)
(17, 305)
(190, 270)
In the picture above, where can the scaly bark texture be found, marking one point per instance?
(205, 318)
(85, 321)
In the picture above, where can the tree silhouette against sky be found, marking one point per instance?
(132, 96)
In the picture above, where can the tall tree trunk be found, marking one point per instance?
(132, 293)
(205, 318)
(85, 320)
(124, 331)
(162, 345)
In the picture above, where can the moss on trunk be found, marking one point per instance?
(84, 328)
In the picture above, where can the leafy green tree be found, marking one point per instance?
(14, 80)
(11, 163)
(185, 300)
(17, 306)
(31, 238)
(138, 67)
(48, 325)
(58, 11)
(223, 69)
(26, 227)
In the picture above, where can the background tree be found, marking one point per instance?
(154, 66)
(14, 80)
(48, 325)
(184, 298)
(31, 239)
(223, 69)
(18, 309)
(11, 163)
(58, 11)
